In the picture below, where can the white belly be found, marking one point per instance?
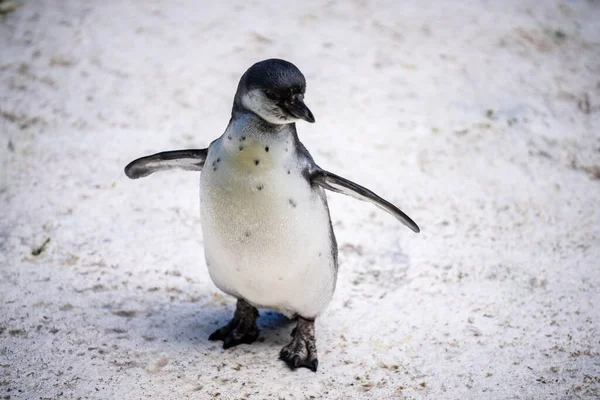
(266, 231)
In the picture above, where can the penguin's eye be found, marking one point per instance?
(270, 95)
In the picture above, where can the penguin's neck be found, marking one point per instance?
(245, 126)
(254, 122)
(251, 145)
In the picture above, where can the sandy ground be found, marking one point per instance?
(481, 119)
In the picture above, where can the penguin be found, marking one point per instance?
(268, 237)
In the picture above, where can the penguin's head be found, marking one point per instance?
(274, 90)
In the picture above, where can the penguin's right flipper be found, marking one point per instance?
(189, 160)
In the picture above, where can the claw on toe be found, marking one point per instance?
(314, 365)
(296, 361)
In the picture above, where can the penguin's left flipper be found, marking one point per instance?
(338, 184)
(189, 160)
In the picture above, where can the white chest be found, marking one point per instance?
(266, 230)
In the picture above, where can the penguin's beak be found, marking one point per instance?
(296, 108)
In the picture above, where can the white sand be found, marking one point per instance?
(497, 298)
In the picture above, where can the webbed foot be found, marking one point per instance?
(302, 350)
(241, 329)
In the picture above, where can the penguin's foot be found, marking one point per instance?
(241, 329)
(302, 350)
